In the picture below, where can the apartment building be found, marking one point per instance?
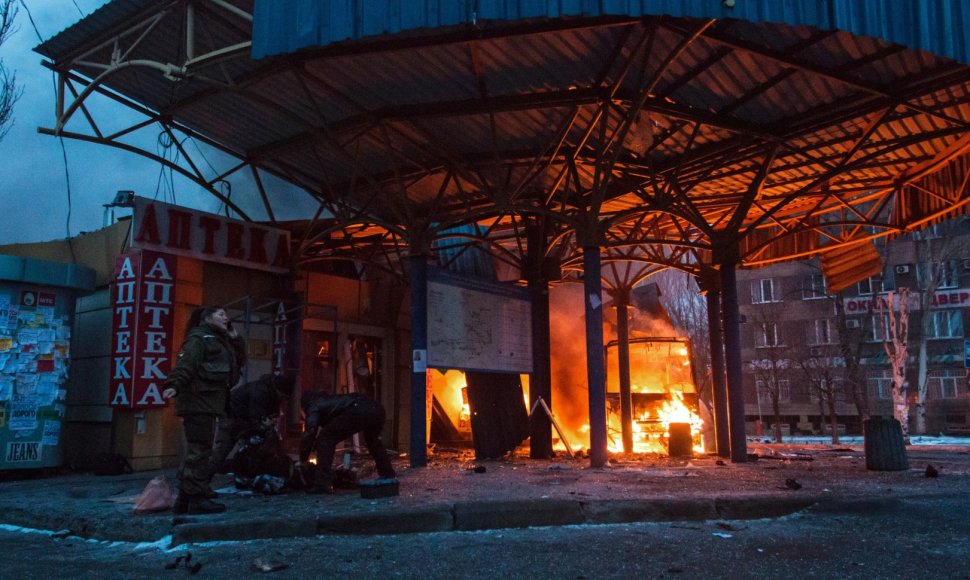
(799, 349)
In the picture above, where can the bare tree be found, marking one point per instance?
(773, 367)
(850, 348)
(935, 256)
(9, 92)
(823, 370)
(895, 324)
(850, 344)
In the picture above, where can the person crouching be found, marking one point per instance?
(332, 418)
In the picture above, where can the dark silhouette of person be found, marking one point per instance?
(332, 418)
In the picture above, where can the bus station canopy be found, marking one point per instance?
(677, 132)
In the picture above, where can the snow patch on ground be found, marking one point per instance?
(859, 440)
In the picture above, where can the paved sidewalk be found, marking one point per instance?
(450, 494)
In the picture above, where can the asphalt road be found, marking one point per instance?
(927, 537)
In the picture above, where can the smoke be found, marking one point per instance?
(570, 392)
(567, 338)
(642, 324)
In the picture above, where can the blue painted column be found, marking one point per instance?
(732, 360)
(595, 360)
(419, 359)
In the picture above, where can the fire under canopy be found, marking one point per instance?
(680, 133)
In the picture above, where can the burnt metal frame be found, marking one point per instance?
(604, 96)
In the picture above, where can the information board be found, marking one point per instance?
(478, 325)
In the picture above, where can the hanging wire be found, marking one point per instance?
(227, 192)
(164, 147)
(67, 172)
(204, 158)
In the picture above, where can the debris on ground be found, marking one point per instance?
(932, 471)
(186, 562)
(261, 565)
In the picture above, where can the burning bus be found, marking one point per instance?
(662, 389)
(663, 384)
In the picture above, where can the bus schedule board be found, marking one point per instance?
(478, 325)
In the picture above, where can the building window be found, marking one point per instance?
(870, 286)
(889, 279)
(877, 330)
(946, 383)
(763, 291)
(764, 393)
(766, 335)
(946, 324)
(880, 384)
(813, 287)
(949, 274)
(947, 271)
(823, 385)
(821, 332)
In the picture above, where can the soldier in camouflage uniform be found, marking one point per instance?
(208, 365)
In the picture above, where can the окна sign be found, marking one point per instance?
(177, 230)
(142, 324)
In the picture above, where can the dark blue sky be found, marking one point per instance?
(33, 186)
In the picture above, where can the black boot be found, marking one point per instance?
(321, 486)
(181, 505)
(201, 505)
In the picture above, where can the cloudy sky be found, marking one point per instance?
(34, 189)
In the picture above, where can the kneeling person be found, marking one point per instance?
(255, 410)
(332, 418)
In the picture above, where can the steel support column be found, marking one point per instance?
(419, 359)
(540, 381)
(732, 355)
(719, 393)
(595, 363)
(621, 299)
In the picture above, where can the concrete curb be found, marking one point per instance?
(627, 511)
(492, 515)
(471, 516)
(196, 532)
(462, 516)
(438, 518)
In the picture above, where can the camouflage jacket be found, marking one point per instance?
(208, 365)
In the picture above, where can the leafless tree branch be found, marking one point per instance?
(9, 92)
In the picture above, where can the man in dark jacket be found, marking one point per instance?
(332, 418)
(255, 405)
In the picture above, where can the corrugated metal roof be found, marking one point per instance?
(455, 120)
(102, 21)
(283, 26)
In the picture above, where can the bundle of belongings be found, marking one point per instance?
(258, 459)
(259, 456)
